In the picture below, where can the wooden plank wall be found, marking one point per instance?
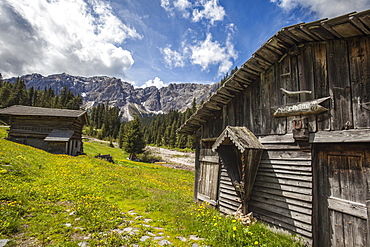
(336, 68)
(44, 125)
(33, 130)
(229, 200)
(208, 177)
(282, 194)
(341, 213)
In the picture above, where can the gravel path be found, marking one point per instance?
(174, 158)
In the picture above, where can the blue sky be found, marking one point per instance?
(147, 42)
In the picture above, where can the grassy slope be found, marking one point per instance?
(59, 200)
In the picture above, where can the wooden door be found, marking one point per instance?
(342, 195)
(207, 184)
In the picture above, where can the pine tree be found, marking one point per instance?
(5, 90)
(18, 96)
(121, 134)
(133, 139)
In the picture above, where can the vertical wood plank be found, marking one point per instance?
(256, 107)
(306, 66)
(321, 83)
(288, 67)
(367, 190)
(359, 55)
(336, 164)
(279, 124)
(322, 192)
(231, 113)
(265, 104)
(337, 233)
(217, 130)
(224, 117)
(197, 167)
(338, 75)
(347, 180)
(248, 112)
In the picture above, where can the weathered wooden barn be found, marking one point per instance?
(288, 135)
(53, 130)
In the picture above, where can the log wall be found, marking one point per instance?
(33, 130)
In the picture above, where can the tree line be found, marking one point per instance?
(105, 121)
(17, 94)
(159, 130)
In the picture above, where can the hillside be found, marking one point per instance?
(59, 200)
(130, 100)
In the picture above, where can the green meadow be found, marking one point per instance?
(59, 200)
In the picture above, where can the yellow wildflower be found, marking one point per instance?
(256, 242)
(215, 224)
(234, 228)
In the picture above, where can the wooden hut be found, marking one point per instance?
(303, 99)
(53, 130)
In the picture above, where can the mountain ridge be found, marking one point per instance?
(130, 100)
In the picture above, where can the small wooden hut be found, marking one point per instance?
(303, 101)
(53, 130)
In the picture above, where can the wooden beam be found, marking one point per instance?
(212, 106)
(359, 24)
(276, 139)
(206, 199)
(348, 207)
(210, 159)
(213, 139)
(362, 135)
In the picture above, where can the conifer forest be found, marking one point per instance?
(105, 120)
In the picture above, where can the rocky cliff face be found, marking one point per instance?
(130, 100)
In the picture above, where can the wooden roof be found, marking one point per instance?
(273, 50)
(241, 137)
(21, 110)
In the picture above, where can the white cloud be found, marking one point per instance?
(173, 58)
(71, 36)
(166, 4)
(156, 83)
(209, 52)
(211, 11)
(325, 8)
(201, 9)
(182, 4)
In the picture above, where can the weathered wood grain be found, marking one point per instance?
(362, 135)
(342, 203)
(359, 55)
(348, 207)
(307, 77)
(338, 77)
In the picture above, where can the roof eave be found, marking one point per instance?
(276, 47)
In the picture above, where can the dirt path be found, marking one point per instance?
(173, 158)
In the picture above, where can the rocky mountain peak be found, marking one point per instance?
(130, 100)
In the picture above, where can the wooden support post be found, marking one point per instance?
(197, 167)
